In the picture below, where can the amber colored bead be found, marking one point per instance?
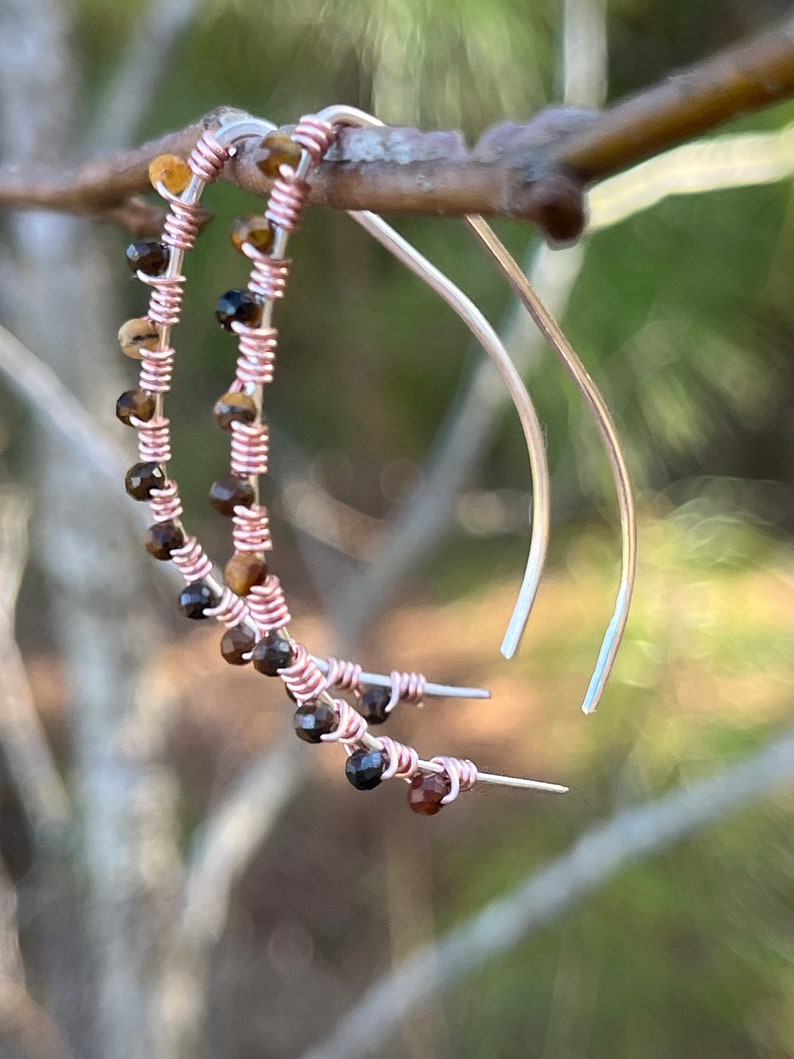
(373, 703)
(170, 171)
(236, 645)
(135, 404)
(142, 478)
(281, 150)
(148, 256)
(243, 571)
(313, 720)
(426, 792)
(364, 769)
(229, 491)
(138, 335)
(234, 407)
(253, 229)
(195, 598)
(238, 307)
(163, 538)
(272, 653)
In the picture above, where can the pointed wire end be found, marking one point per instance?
(509, 644)
(589, 707)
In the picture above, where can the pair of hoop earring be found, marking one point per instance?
(248, 598)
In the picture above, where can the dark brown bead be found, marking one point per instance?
(313, 720)
(243, 571)
(163, 538)
(234, 408)
(135, 404)
(281, 150)
(272, 653)
(148, 256)
(236, 645)
(229, 491)
(253, 229)
(238, 307)
(364, 769)
(373, 703)
(426, 792)
(142, 478)
(195, 598)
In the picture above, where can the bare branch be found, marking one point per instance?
(543, 896)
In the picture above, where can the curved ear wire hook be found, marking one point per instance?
(485, 334)
(552, 332)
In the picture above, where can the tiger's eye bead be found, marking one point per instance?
(163, 538)
(253, 229)
(234, 407)
(170, 171)
(281, 150)
(138, 335)
(426, 792)
(364, 769)
(373, 703)
(194, 598)
(229, 491)
(243, 571)
(142, 478)
(135, 404)
(148, 256)
(238, 307)
(272, 653)
(236, 645)
(313, 720)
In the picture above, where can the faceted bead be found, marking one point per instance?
(135, 404)
(171, 171)
(142, 478)
(281, 150)
(364, 768)
(235, 644)
(253, 229)
(194, 598)
(313, 720)
(234, 407)
(163, 538)
(138, 335)
(426, 792)
(229, 491)
(243, 571)
(238, 306)
(272, 653)
(373, 703)
(148, 256)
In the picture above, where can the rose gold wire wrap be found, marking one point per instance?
(191, 560)
(251, 529)
(403, 760)
(267, 606)
(231, 610)
(351, 726)
(165, 503)
(303, 678)
(208, 158)
(257, 355)
(182, 222)
(157, 369)
(406, 687)
(165, 304)
(268, 275)
(343, 675)
(154, 441)
(249, 448)
(315, 136)
(462, 775)
(287, 200)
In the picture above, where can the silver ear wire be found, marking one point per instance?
(595, 401)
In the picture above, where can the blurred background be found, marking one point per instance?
(181, 877)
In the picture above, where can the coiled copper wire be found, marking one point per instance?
(157, 369)
(351, 726)
(257, 355)
(249, 448)
(403, 760)
(269, 275)
(303, 677)
(251, 529)
(287, 200)
(231, 610)
(462, 775)
(191, 560)
(406, 687)
(267, 605)
(343, 675)
(165, 304)
(165, 503)
(154, 441)
(315, 136)
(182, 222)
(208, 158)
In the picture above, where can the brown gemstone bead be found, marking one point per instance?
(162, 538)
(234, 407)
(148, 256)
(372, 705)
(138, 335)
(238, 307)
(229, 491)
(426, 791)
(254, 229)
(235, 644)
(171, 171)
(142, 478)
(272, 653)
(281, 150)
(243, 571)
(135, 404)
(313, 720)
